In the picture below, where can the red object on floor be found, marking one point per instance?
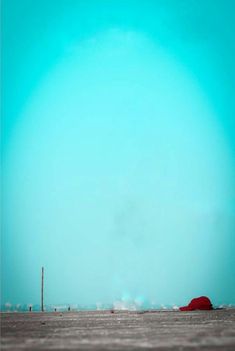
(199, 303)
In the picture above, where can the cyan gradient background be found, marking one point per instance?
(118, 150)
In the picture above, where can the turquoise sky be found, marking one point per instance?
(118, 151)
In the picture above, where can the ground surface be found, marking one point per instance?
(102, 330)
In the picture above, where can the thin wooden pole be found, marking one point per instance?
(42, 291)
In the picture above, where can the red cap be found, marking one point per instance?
(199, 303)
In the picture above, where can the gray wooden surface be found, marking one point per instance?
(103, 330)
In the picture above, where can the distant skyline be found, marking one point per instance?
(118, 151)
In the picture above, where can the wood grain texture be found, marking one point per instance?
(121, 330)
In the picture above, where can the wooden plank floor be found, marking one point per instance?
(103, 330)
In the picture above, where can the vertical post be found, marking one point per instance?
(42, 291)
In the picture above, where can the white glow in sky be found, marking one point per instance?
(119, 180)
